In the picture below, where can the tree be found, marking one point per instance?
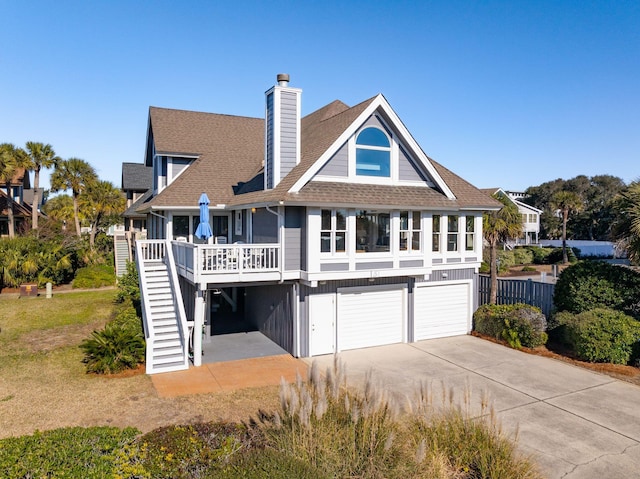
(497, 227)
(102, 204)
(11, 160)
(76, 175)
(626, 228)
(59, 208)
(39, 155)
(566, 202)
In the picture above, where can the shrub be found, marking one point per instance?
(128, 284)
(67, 452)
(600, 335)
(594, 284)
(94, 277)
(518, 324)
(507, 259)
(523, 256)
(556, 256)
(113, 349)
(529, 269)
(540, 254)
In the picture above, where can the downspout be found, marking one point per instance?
(281, 238)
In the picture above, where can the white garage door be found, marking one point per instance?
(370, 317)
(442, 310)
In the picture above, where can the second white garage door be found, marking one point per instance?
(442, 310)
(370, 317)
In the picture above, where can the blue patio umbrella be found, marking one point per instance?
(204, 228)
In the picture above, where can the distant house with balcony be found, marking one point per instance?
(19, 186)
(530, 216)
(330, 231)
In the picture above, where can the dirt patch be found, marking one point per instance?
(49, 339)
(623, 372)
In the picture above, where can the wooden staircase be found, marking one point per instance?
(163, 313)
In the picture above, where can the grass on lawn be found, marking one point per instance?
(44, 384)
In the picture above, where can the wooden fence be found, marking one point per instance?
(511, 291)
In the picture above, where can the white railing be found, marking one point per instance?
(152, 250)
(205, 259)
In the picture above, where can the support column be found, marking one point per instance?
(198, 321)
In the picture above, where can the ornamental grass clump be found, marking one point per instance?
(364, 432)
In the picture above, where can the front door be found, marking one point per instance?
(220, 228)
(322, 312)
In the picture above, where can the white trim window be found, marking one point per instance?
(373, 231)
(470, 224)
(373, 153)
(435, 236)
(453, 222)
(410, 231)
(333, 231)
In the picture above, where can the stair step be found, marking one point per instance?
(159, 289)
(155, 296)
(161, 309)
(156, 270)
(167, 336)
(169, 351)
(164, 322)
(166, 343)
(166, 329)
(167, 360)
(164, 315)
(163, 303)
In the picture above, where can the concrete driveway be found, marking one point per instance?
(575, 423)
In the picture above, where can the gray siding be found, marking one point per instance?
(288, 131)
(407, 169)
(414, 263)
(471, 259)
(178, 165)
(377, 265)
(188, 297)
(243, 236)
(334, 267)
(454, 260)
(269, 142)
(269, 308)
(338, 165)
(265, 227)
(293, 239)
(452, 274)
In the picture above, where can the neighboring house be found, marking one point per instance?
(137, 182)
(530, 216)
(21, 210)
(331, 232)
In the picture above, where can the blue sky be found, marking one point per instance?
(508, 94)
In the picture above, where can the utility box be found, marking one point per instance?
(28, 290)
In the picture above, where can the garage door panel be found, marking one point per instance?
(371, 318)
(441, 311)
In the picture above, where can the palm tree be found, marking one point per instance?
(566, 202)
(59, 208)
(102, 204)
(626, 227)
(11, 160)
(499, 226)
(73, 174)
(39, 156)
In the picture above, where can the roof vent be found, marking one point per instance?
(283, 79)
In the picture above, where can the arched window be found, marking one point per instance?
(373, 153)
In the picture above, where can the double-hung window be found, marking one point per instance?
(333, 231)
(373, 231)
(470, 233)
(452, 232)
(435, 237)
(410, 231)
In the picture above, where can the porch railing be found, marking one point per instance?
(204, 259)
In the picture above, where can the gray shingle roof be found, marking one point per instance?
(136, 177)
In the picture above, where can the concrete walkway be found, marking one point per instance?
(574, 422)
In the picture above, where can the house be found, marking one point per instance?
(330, 232)
(530, 216)
(137, 180)
(20, 184)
